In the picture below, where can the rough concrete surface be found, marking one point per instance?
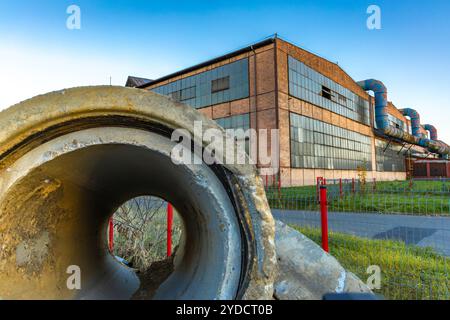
(306, 272)
(64, 158)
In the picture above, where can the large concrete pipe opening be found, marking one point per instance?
(70, 159)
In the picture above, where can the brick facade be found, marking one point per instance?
(269, 105)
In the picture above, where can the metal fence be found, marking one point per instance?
(400, 228)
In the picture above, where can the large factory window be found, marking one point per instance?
(311, 86)
(320, 145)
(397, 123)
(226, 83)
(326, 93)
(389, 157)
(237, 122)
(220, 84)
(184, 94)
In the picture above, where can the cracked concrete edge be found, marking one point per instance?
(306, 272)
(264, 271)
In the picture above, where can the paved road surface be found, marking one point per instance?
(418, 230)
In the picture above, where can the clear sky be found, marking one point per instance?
(410, 53)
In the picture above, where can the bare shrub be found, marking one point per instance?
(140, 231)
(362, 175)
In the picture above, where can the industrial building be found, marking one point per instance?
(330, 126)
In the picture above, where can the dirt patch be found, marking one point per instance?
(29, 220)
(152, 278)
(31, 253)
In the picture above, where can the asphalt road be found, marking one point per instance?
(416, 230)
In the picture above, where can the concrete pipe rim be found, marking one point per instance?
(257, 254)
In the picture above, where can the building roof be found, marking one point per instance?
(249, 48)
(135, 82)
(269, 40)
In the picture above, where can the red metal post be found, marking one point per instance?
(318, 184)
(267, 180)
(324, 217)
(111, 234)
(340, 187)
(169, 229)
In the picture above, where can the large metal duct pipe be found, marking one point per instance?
(382, 121)
(68, 159)
(434, 142)
(381, 114)
(415, 120)
(432, 130)
(434, 136)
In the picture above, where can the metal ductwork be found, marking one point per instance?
(432, 144)
(438, 147)
(415, 121)
(382, 120)
(432, 130)
(434, 137)
(381, 114)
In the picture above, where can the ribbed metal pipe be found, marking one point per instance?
(433, 132)
(415, 120)
(381, 114)
(382, 120)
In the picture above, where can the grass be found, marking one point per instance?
(408, 272)
(428, 187)
(422, 198)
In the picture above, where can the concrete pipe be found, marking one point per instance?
(68, 159)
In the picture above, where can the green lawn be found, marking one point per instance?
(408, 272)
(422, 198)
(393, 203)
(417, 186)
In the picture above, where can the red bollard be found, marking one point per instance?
(324, 217)
(111, 234)
(169, 229)
(340, 187)
(267, 181)
(318, 184)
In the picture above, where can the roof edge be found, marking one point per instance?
(214, 60)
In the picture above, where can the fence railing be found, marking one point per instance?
(412, 197)
(401, 228)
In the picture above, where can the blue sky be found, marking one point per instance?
(410, 54)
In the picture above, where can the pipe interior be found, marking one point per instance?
(56, 215)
